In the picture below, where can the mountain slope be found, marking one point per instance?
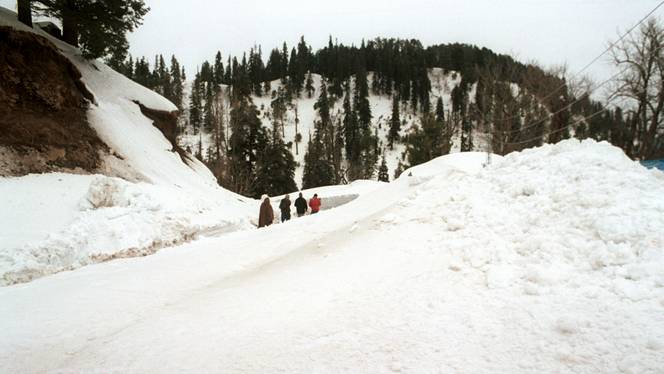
(442, 84)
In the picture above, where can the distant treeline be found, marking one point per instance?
(400, 67)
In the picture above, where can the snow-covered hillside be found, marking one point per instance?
(148, 196)
(442, 84)
(548, 260)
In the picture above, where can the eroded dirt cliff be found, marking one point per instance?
(43, 105)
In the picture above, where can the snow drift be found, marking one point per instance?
(548, 260)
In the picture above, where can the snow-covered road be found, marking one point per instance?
(444, 274)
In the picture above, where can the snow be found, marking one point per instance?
(56, 203)
(57, 221)
(547, 260)
(60, 221)
(469, 162)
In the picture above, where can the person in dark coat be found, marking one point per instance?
(266, 215)
(300, 205)
(314, 204)
(284, 206)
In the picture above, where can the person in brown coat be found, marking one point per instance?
(266, 215)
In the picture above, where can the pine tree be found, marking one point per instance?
(208, 115)
(309, 85)
(324, 127)
(247, 142)
(322, 105)
(304, 59)
(99, 27)
(383, 173)
(351, 131)
(459, 107)
(256, 70)
(284, 64)
(440, 112)
(275, 169)
(318, 171)
(466, 135)
(165, 80)
(368, 149)
(142, 72)
(129, 68)
(178, 82)
(218, 70)
(560, 121)
(228, 75)
(294, 78)
(274, 66)
(427, 141)
(195, 108)
(337, 153)
(207, 72)
(362, 97)
(395, 123)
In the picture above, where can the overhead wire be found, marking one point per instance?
(592, 62)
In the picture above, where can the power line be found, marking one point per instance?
(610, 47)
(562, 128)
(593, 61)
(523, 128)
(568, 106)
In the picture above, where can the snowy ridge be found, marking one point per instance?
(548, 260)
(442, 84)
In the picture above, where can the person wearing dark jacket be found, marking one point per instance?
(314, 204)
(300, 205)
(284, 206)
(266, 214)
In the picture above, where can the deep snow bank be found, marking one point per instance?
(54, 222)
(562, 248)
(573, 206)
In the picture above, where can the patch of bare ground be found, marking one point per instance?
(43, 105)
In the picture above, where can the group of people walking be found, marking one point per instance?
(266, 214)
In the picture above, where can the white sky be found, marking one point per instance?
(548, 31)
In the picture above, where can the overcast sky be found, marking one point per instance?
(548, 31)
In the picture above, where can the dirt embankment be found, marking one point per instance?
(43, 105)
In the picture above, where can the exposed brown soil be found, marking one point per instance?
(43, 105)
(166, 122)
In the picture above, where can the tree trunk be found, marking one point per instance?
(70, 27)
(25, 12)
